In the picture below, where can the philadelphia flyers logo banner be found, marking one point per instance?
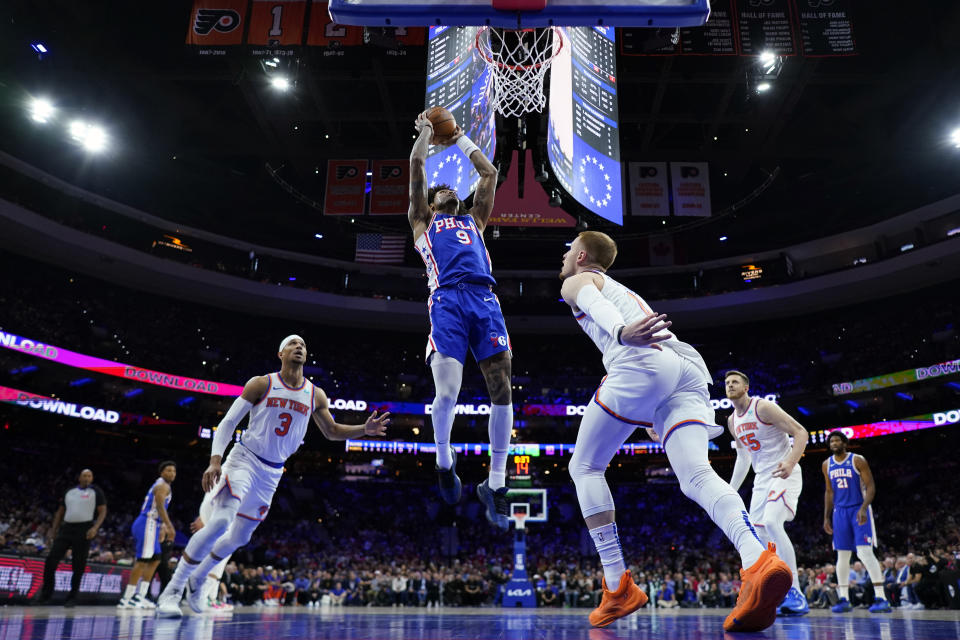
(215, 24)
(389, 187)
(346, 191)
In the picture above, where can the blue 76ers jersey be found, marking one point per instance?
(847, 491)
(148, 508)
(453, 251)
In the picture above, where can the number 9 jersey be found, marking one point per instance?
(453, 251)
(278, 423)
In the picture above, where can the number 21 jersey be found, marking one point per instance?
(279, 421)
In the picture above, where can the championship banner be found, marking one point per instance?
(897, 378)
(118, 369)
(649, 195)
(324, 32)
(390, 187)
(215, 24)
(22, 578)
(691, 188)
(661, 251)
(277, 23)
(346, 188)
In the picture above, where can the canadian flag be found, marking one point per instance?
(661, 250)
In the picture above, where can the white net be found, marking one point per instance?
(518, 59)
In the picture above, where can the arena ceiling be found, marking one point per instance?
(849, 140)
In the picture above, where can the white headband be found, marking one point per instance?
(286, 340)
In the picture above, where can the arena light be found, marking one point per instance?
(723, 238)
(955, 138)
(318, 236)
(768, 61)
(763, 87)
(38, 47)
(280, 83)
(91, 137)
(41, 110)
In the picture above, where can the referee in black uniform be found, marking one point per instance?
(79, 527)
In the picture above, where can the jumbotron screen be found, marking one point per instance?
(460, 82)
(583, 131)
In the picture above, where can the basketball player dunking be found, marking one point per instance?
(658, 382)
(280, 405)
(464, 312)
(762, 432)
(848, 516)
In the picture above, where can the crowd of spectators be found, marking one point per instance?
(355, 542)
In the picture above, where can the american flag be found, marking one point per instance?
(380, 248)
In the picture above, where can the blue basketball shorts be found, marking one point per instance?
(847, 534)
(146, 531)
(466, 316)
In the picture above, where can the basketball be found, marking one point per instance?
(443, 121)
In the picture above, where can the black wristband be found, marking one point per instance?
(619, 333)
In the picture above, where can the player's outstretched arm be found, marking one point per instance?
(827, 500)
(419, 212)
(771, 413)
(742, 466)
(487, 186)
(333, 430)
(254, 391)
(869, 486)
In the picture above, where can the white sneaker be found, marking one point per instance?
(168, 606)
(195, 597)
(139, 602)
(124, 604)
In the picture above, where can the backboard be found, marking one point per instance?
(567, 13)
(532, 503)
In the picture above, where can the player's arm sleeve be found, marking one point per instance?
(224, 432)
(600, 310)
(740, 468)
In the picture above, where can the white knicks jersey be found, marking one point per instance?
(279, 421)
(632, 307)
(766, 444)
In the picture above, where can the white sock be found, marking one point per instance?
(143, 588)
(844, 590)
(843, 573)
(499, 428)
(878, 592)
(775, 514)
(447, 376)
(687, 452)
(130, 591)
(179, 579)
(607, 542)
(212, 587)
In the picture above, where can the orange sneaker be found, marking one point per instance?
(764, 585)
(616, 604)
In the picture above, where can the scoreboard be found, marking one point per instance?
(520, 471)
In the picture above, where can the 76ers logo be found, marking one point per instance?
(498, 340)
(223, 20)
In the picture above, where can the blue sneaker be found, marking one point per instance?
(795, 604)
(880, 605)
(496, 504)
(842, 607)
(448, 482)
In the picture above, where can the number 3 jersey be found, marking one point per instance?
(453, 251)
(278, 423)
(766, 444)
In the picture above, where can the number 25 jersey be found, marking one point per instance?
(453, 251)
(279, 421)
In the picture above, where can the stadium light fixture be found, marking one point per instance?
(723, 238)
(318, 236)
(955, 138)
(41, 110)
(280, 83)
(91, 137)
(763, 87)
(38, 47)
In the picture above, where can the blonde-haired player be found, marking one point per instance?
(280, 405)
(660, 383)
(762, 432)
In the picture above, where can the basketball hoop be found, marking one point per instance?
(518, 60)
(519, 520)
